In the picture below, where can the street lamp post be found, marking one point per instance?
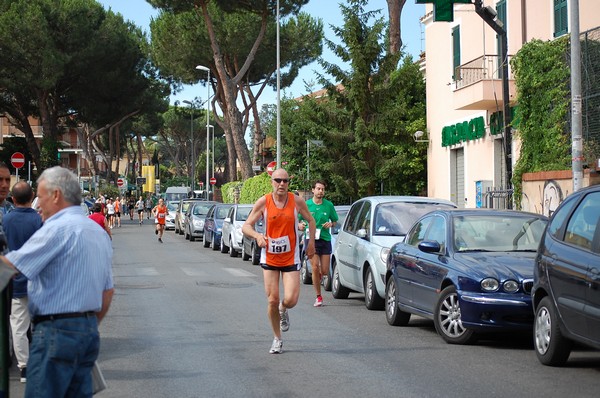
(204, 68)
(193, 177)
(212, 152)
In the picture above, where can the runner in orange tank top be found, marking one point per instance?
(160, 213)
(280, 256)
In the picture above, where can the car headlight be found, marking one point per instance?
(510, 286)
(490, 285)
(199, 224)
(384, 254)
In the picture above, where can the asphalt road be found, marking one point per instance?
(187, 321)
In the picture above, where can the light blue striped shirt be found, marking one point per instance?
(68, 263)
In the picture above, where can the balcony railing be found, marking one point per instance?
(485, 67)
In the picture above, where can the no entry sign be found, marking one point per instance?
(271, 167)
(213, 181)
(17, 160)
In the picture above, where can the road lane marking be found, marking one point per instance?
(239, 272)
(193, 271)
(146, 271)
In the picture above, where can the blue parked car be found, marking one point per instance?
(213, 225)
(468, 270)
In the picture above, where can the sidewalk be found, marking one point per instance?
(16, 389)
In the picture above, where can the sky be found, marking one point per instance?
(141, 13)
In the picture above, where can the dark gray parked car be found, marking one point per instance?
(193, 224)
(566, 291)
(250, 249)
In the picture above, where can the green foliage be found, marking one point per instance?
(228, 191)
(49, 152)
(58, 58)
(255, 187)
(109, 191)
(174, 181)
(366, 127)
(542, 78)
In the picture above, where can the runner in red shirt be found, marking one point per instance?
(160, 213)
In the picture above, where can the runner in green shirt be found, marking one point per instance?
(325, 218)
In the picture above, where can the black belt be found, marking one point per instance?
(52, 317)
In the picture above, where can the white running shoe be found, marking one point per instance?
(284, 320)
(276, 347)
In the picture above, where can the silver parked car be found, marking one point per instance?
(193, 223)
(306, 267)
(372, 226)
(182, 208)
(231, 239)
(171, 214)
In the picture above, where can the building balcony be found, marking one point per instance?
(478, 84)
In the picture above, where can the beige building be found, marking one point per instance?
(464, 91)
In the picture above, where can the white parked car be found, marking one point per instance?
(372, 226)
(231, 239)
(171, 214)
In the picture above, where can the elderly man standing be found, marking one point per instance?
(280, 256)
(68, 265)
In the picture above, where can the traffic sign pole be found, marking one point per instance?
(17, 160)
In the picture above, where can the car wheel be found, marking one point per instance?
(255, 254)
(447, 319)
(180, 230)
(245, 256)
(176, 229)
(551, 347)
(232, 251)
(372, 299)
(205, 241)
(214, 242)
(192, 238)
(337, 290)
(393, 314)
(224, 248)
(305, 277)
(327, 282)
(187, 236)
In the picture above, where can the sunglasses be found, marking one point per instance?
(280, 180)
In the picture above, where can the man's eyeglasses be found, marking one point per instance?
(280, 180)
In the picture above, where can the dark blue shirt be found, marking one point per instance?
(19, 225)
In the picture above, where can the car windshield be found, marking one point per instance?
(341, 217)
(185, 206)
(396, 218)
(242, 213)
(497, 233)
(221, 212)
(172, 206)
(201, 209)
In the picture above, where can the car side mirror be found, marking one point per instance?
(362, 233)
(430, 246)
(227, 219)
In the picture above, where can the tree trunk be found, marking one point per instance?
(229, 90)
(117, 149)
(395, 12)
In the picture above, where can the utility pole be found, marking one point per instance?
(576, 117)
(491, 18)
